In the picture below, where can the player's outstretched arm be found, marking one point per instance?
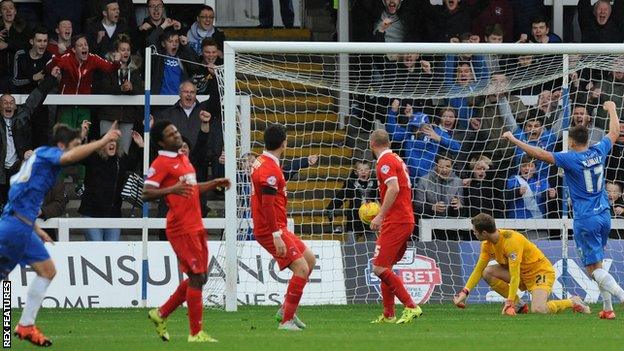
(181, 188)
(460, 299)
(215, 183)
(532, 151)
(614, 122)
(83, 151)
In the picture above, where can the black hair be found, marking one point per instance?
(39, 30)
(62, 133)
(580, 134)
(156, 132)
(539, 19)
(205, 7)
(105, 4)
(168, 33)
(274, 136)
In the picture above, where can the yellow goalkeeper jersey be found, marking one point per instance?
(512, 250)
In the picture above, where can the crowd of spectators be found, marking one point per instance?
(452, 145)
(97, 47)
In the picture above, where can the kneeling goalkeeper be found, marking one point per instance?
(519, 265)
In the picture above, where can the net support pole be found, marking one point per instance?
(558, 17)
(565, 195)
(146, 148)
(343, 62)
(229, 138)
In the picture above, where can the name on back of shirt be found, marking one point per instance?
(592, 161)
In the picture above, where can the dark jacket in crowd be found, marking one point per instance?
(158, 62)
(107, 44)
(110, 84)
(592, 32)
(55, 201)
(20, 122)
(367, 13)
(481, 196)
(17, 39)
(356, 191)
(189, 126)
(104, 180)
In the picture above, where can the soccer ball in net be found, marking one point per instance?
(368, 211)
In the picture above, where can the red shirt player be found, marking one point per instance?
(172, 176)
(396, 221)
(268, 211)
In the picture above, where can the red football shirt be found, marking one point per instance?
(184, 214)
(390, 166)
(266, 172)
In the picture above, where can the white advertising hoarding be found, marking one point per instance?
(108, 274)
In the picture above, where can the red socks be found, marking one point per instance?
(293, 295)
(396, 286)
(387, 297)
(175, 300)
(195, 306)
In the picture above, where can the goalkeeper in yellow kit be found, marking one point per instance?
(519, 265)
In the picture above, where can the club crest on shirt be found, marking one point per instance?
(385, 169)
(272, 180)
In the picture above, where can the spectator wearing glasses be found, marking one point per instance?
(204, 28)
(156, 23)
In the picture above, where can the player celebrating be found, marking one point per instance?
(520, 265)
(396, 221)
(268, 211)
(21, 239)
(172, 176)
(584, 175)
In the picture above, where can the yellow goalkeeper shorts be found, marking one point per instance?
(538, 275)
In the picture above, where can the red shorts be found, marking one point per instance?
(192, 252)
(294, 248)
(392, 243)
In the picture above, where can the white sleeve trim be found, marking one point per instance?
(151, 182)
(389, 179)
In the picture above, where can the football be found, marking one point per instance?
(368, 211)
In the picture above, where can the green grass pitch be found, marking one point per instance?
(442, 327)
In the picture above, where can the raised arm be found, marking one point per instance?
(532, 151)
(82, 151)
(614, 122)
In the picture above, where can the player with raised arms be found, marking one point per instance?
(268, 211)
(584, 168)
(519, 265)
(21, 239)
(395, 221)
(172, 176)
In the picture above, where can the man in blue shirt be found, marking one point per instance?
(584, 168)
(21, 239)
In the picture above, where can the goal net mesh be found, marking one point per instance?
(445, 115)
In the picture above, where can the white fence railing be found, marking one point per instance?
(427, 226)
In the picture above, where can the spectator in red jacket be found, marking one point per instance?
(78, 66)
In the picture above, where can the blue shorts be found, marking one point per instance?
(590, 235)
(19, 244)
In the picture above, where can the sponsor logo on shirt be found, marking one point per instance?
(272, 180)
